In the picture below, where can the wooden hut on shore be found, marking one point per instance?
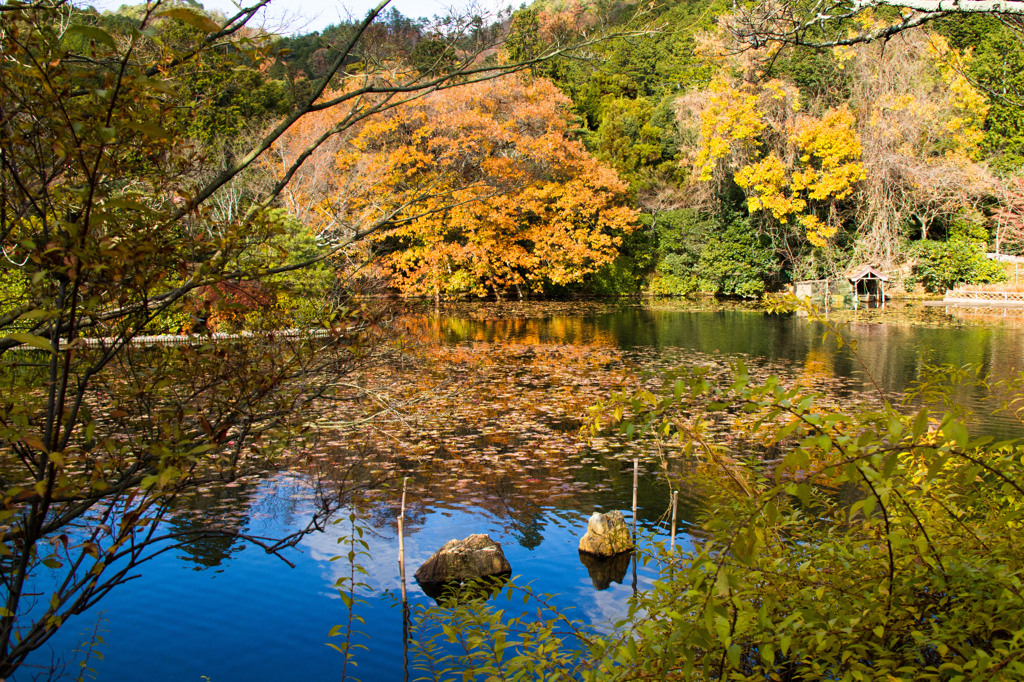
(868, 283)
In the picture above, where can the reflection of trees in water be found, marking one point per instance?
(229, 506)
(509, 443)
(525, 516)
(327, 478)
(493, 422)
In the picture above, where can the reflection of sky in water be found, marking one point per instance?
(554, 567)
(236, 613)
(232, 612)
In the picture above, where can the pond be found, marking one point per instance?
(487, 427)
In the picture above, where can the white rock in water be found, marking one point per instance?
(607, 535)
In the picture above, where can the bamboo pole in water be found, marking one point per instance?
(636, 479)
(401, 540)
(675, 501)
(401, 571)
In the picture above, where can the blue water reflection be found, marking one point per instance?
(226, 611)
(251, 617)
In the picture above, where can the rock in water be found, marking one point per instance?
(607, 535)
(475, 557)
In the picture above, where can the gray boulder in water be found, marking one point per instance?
(477, 556)
(607, 535)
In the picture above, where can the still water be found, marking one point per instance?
(495, 449)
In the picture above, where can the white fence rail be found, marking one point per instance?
(194, 339)
(984, 298)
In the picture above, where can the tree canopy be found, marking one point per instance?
(487, 190)
(122, 213)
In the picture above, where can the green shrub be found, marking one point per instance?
(712, 254)
(960, 259)
(879, 543)
(943, 265)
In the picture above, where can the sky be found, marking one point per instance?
(304, 16)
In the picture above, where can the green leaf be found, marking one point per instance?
(32, 340)
(193, 19)
(920, 424)
(151, 130)
(92, 33)
(125, 203)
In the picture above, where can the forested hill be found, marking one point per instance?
(750, 169)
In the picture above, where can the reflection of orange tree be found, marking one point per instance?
(818, 366)
(505, 200)
(517, 331)
(494, 426)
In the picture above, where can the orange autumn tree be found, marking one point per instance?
(485, 190)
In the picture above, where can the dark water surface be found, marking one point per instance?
(496, 451)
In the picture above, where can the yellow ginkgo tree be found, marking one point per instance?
(796, 168)
(825, 166)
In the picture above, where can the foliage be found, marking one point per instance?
(996, 68)
(110, 222)
(844, 23)
(1008, 218)
(795, 168)
(485, 189)
(893, 145)
(921, 128)
(627, 274)
(304, 298)
(846, 541)
(651, 61)
(817, 73)
(349, 586)
(911, 571)
(432, 56)
(98, 441)
(681, 237)
(625, 138)
(827, 152)
(713, 254)
(960, 259)
(494, 643)
(735, 260)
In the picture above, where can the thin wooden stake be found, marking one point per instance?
(401, 540)
(405, 601)
(636, 483)
(636, 480)
(675, 501)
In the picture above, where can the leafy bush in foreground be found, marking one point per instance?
(878, 545)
